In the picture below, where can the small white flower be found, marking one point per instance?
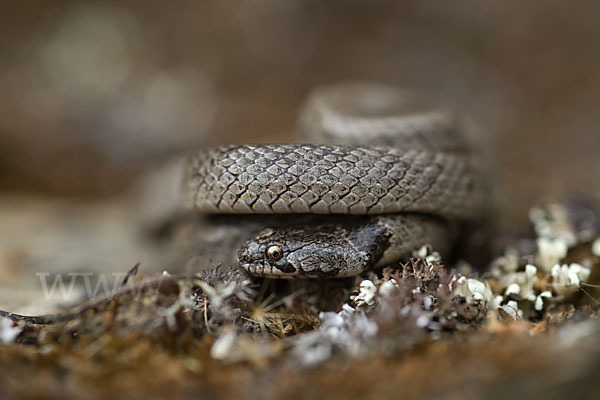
(596, 247)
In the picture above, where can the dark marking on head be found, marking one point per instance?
(340, 248)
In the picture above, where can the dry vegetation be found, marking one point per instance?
(420, 328)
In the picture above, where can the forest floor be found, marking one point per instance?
(527, 326)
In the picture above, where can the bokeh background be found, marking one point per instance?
(95, 94)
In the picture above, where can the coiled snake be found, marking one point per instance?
(380, 178)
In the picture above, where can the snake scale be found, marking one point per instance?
(382, 176)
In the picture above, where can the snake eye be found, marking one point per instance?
(274, 253)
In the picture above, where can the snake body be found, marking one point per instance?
(394, 180)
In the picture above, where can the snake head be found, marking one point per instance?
(306, 252)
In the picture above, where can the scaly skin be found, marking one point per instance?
(423, 175)
(340, 248)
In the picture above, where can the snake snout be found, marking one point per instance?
(259, 259)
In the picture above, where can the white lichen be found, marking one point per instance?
(567, 278)
(472, 290)
(479, 290)
(530, 270)
(423, 320)
(507, 263)
(9, 331)
(348, 330)
(512, 289)
(427, 253)
(428, 302)
(551, 251)
(496, 302)
(596, 247)
(224, 345)
(527, 290)
(388, 287)
(518, 285)
(539, 300)
(366, 294)
(515, 306)
(552, 221)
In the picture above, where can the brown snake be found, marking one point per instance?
(399, 173)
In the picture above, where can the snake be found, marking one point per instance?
(376, 174)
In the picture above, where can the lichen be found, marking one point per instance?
(198, 323)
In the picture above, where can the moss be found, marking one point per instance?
(418, 327)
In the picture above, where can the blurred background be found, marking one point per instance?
(95, 94)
